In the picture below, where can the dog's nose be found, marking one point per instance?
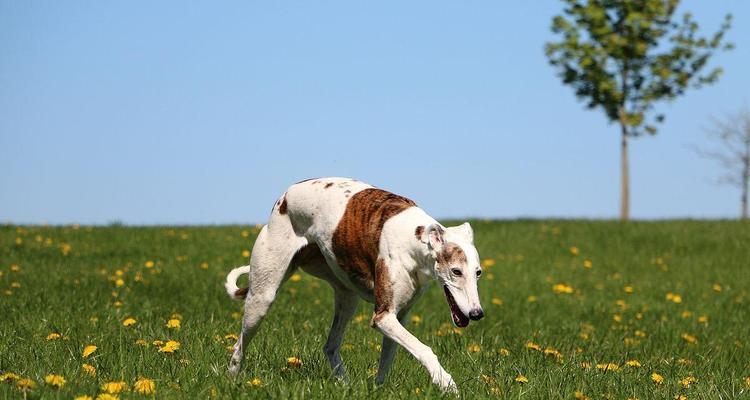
(476, 314)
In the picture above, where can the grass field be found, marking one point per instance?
(579, 309)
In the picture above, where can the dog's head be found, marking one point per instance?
(457, 268)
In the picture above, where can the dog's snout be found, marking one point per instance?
(476, 314)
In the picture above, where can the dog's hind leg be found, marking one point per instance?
(346, 302)
(271, 258)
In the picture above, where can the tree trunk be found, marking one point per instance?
(624, 176)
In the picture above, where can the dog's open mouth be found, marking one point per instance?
(459, 319)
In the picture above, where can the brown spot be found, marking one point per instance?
(383, 291)
(452, 254)
(356, 239)
(418, 232)
(282, 207)
(347, 191)
(241, 293)
(329, 184)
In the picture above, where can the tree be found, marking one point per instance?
(733, 135)
(623, 56)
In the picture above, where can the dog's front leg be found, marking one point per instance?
(387, 323)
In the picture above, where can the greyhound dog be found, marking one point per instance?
(366, 243)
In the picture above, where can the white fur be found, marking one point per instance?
(313, 212)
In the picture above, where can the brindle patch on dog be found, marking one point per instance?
(357, 237)
(329, 184)
(451, 254)
(418, 232)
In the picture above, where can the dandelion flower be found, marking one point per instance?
(578, 395)
(416, 319)
(170, 347)
(689, 338)
(173, 323)
(149, 264)
(106, 396)
(521, 379)
(245, 253)
(255, 382)
(130, 321)
(504, 352)
(716, 287)
(474, 348)
(533, 346)
(9, 376)
(295, 278)
(747, 381)
(119, 282)
(658, 379)
(587, 264)
(56, 381)
(114, 387)
(531, 299)
(703, 319)
(562, 288)
(488, 262)
(686, 382)
(89, 369)
(141, 342)
(88, 350)
(608, 367)
(144, 386)
(628, 289)
(574, 250)
(293, 362)
(497, 301)
(83, 397)
(25, 384)
(53, 336)
(633, 363)
(15, 285)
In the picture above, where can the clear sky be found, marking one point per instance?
(204, 112)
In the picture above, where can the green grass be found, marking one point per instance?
(75, 294)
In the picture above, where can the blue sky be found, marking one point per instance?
(204, 112)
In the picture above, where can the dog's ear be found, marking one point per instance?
(434, 236)
(463, 231)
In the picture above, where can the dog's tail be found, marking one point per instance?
(231, 284)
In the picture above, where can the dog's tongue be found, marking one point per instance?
(459, 319)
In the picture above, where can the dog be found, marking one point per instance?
(368, 244)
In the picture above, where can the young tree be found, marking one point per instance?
(623, 56)
(733, 134)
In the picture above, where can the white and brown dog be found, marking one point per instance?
(367, 243)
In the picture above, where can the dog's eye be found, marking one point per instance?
(479, 273)
(456, 271)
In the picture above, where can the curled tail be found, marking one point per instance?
(231, 284)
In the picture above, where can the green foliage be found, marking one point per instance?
(624, 56)
(66, 282)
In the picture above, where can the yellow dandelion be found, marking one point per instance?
(686, 382)
(586, 365)
(173, 323)
(504, 352)
(496, 301)
(562, 288)
(640, 333)
(245, 253)
(488, 262)
(416, 319)
(204, 265)
(15, 268)
(130, 321)
(114, 387)
(747, 382)
(89, 369)
(521, 379)
(617, 318)
(255, 382)
(293, 362)
(628, 289)
(106, 396)
(144, 386)
(295, 278)
(83, 397)
(578, 395)
(587, 264)
(633, 363)
(703, 319)
(88, 350)
(119, 282)
(56, 381)
(608, 367)
(170, 347)
(474, 348)
(54, 336)
(141, 342)
(231, 336)
(533, 346)
(9, 376)
(716, 287)
(574, 250)
(149, 264)
(25, 384)
(531, 299)
(689, 338)
(158, 343)
(658, 379)
(15, 285)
